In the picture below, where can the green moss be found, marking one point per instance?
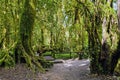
(117, 69)
(26, 28)
(6, 59)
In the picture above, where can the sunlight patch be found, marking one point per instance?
(82, 64)
(87, 60)
(68, 65)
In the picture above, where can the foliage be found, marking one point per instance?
(59, 25)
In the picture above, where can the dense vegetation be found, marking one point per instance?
(90, 26)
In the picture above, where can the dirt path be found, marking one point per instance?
(68, 70)
(72, 70)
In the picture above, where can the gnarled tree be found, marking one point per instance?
(24, 48)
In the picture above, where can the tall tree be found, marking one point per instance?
(116, 54)
(24, 48)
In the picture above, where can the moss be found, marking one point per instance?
(117, 69)
(6, 59)
(26, 28)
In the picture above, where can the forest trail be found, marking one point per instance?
(72, 70)
(68, 70)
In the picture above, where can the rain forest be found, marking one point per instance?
(60, 40)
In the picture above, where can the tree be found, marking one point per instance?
(63, 25)
(24, 48)
(116, 54)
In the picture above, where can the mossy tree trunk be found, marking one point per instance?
(26, 25)
(6, 39)
(24, 47)
(95, 47)
(116, 55)
(104, 57)
(115, 58)
(101, 60)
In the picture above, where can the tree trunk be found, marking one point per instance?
(115, 58)
(94, 54)
(26, 26)
(24, 47)
(118, 14)
(116, 54)
(105, 65)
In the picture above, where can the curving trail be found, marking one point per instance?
(68, 70)
(72, 70)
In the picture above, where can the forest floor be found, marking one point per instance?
(68, 70)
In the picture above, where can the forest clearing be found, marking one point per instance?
(60, 40)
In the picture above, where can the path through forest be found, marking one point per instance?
(68, 70)
(72, 70)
